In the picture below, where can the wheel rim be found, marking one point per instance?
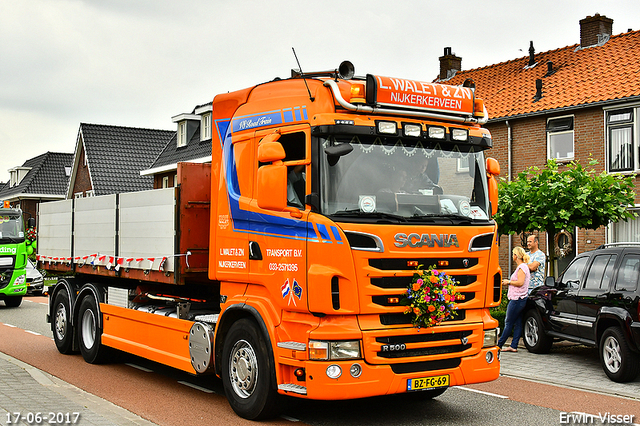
(531, 331)
(88, 329)
(61, 322)
(611, 354)
(243, 370)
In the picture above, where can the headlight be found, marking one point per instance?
(20, 280)
(414, 130)
(387, 127)
(322, 350)
(490, 338)
(459, 134)
(436, 132)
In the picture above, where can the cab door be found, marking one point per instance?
(277, 239)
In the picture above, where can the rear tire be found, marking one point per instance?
(535, 339)
(13, 301)
(89, 334)
(618, 361)
(62, 328)
(247, 372)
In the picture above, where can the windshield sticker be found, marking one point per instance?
(367, 203)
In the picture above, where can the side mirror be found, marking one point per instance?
(493, 170)
(31, 222)
(550, 282)
(334, 152)
(270, 151)
(272, 187)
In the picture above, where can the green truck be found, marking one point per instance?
(14, 250)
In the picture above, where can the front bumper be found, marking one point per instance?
(378, 380)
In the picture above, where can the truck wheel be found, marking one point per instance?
(535, 338)
(13, 301)
(62, 327)
(618, 361)
(89, 334)
(246, 372)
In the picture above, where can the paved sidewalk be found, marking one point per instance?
(569, 365)
(26, 390)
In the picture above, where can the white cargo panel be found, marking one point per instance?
(54, 229)
(95, 228)
(147, 228)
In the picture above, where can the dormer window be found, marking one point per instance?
(205, 113)
(17, 174)
(187, 127)
(205, 127)
(182, 133)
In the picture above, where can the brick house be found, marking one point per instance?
(569, 104)
(190, 143)
(108, 159)
(40, 179)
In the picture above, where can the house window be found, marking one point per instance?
(165, 182)
(182, 133)
(78, 195)
(621, 145)
(560, 138)
(627, 231)
(205, 127)
(463, 164)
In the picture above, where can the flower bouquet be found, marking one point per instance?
(32, 234)
(431, 297)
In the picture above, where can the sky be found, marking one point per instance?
(138, 63)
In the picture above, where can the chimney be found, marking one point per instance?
(594, 30)
(449, 64)
(532, 53)
(538, 95)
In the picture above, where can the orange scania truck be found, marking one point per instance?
(281, 266)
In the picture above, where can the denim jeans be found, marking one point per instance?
(513, 320)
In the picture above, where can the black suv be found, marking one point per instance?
(596, 302)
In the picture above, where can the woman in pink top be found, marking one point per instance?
(517, 295)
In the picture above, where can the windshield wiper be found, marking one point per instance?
(431, 216)
(376, 215)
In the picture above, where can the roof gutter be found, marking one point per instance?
(375, 110)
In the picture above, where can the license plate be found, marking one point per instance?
(428, 383)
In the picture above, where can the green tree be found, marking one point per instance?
(547, 199)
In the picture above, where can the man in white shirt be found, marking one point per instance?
(537, 261)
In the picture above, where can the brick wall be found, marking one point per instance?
(529, 148)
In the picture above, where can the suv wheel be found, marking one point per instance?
(618, 361)
(535, 338)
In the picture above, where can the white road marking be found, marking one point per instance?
(200, 388)
(483, 393)
(139, 367)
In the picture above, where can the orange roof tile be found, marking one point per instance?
(581, 77)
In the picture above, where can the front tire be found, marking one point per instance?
(62, 328)
(618, 361)
(535, 338)
(247, 372)
(89, 333)
(13, 301)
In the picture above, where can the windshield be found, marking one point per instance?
(395, 177)
(11, 228)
